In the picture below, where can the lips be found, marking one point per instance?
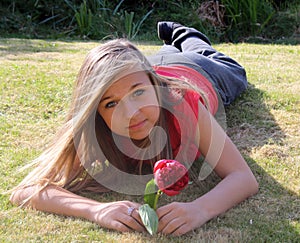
(137, 125)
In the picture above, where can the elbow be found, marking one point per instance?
(256, 187)
(248, 184)
(253, 185)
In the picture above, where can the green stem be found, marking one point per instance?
(156, 199)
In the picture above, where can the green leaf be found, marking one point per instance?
(150, 194)
(149, 218)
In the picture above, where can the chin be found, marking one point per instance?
(139, 137)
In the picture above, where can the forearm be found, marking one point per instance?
(56, 200)
(232, 190)
(112, 215)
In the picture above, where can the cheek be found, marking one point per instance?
(153, 110)
(114, 121)
(117, 122)
(153, 114)
(106, 116)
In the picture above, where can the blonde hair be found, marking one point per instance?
(66, 160)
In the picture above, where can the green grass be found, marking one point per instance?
(36, 79)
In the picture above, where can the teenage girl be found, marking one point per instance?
(126, 113)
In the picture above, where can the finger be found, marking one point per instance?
(119, 226)
(183, 229)
(135, 225)
(135, 214)
(164, 220)
(133, 221)
(172, 225)
(163, 211)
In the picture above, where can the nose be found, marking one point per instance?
(129, 109)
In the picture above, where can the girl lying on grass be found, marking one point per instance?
(128, 112)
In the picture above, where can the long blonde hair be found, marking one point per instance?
(68, 158)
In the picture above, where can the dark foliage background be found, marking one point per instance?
(226, 20)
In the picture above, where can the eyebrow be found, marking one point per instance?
(131, 88)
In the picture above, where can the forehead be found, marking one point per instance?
(126, 82)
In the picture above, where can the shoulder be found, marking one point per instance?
(204, 89)
(184, 109)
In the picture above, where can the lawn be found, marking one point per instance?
(36, 80)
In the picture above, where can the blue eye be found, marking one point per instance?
(111, 104)
(138, 92)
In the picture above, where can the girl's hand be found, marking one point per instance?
(115, 216)
(179, 218)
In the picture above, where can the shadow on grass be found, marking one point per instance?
(274, 208)
(250, 123)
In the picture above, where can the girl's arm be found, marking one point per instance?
(56, 200)
(238, 181)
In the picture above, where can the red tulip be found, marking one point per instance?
(170, 176)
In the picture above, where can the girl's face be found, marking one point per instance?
(130, 107)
